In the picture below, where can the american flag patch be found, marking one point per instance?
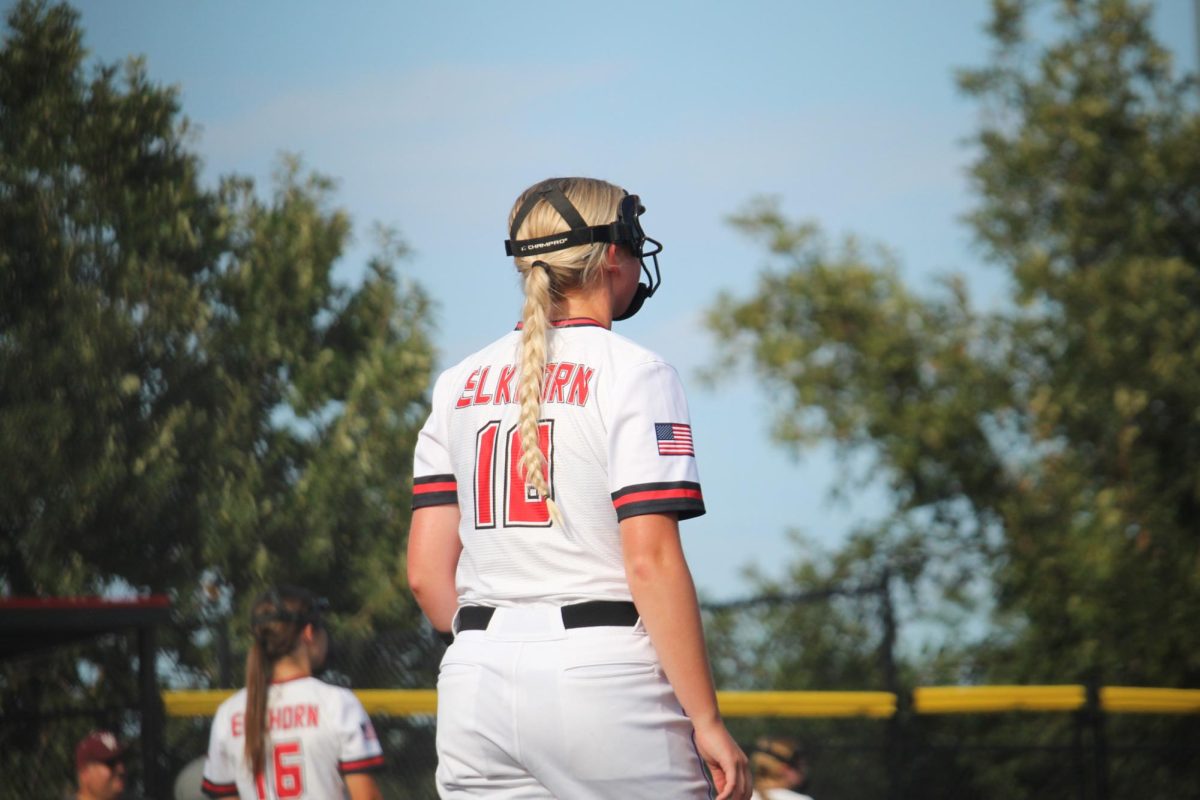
(674, 439)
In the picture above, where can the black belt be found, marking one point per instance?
(595, 613)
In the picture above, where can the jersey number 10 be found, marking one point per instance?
(522, 506)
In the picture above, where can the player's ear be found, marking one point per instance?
(612, 261)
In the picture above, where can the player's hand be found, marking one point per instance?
(725, 760)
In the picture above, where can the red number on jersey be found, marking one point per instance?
(485, 468)
(522, 506)
(288, 769)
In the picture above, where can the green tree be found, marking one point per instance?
(1089, 183)
(186, 387)
(1047, 452)
(187, 396)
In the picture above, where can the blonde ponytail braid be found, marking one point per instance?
(536, 322)
(551, 276)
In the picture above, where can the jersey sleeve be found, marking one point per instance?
(219, 778)
(651, 453)
(434, 483)
(358, 746)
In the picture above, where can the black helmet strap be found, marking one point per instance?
(310, 612)
(553, 195)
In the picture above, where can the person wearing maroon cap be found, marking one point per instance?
(100, 766)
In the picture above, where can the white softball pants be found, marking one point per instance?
(528, 709)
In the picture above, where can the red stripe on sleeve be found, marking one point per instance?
(658, 494)
(218, 789)
(360, 765)
(429, 488)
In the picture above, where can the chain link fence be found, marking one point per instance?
(49, 700)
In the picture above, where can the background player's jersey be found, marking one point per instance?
(317, 734)
(618, 440)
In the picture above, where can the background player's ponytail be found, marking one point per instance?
(546, 277)
(276, 622)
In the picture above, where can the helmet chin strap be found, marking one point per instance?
(635, 303)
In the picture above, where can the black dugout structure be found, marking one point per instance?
(30, 625)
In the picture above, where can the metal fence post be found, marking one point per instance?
(152, 713)
(1078, 754)
(895, 745)
(1099, 741)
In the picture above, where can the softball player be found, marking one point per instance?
(548, 484)
(779, 768)
(288, 734)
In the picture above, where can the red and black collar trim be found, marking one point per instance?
(572, 322)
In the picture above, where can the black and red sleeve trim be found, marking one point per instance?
(218, 789)
(434, 490)
(361, 765)
(681, 497)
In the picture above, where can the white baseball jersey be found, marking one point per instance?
(317, 734)
(615, 430)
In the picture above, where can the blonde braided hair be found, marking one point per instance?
(547, 277)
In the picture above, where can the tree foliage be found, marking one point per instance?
(1050, 449)
(1043, 456)
(188, 393)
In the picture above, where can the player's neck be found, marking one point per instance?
(593, 304)
(289, 668)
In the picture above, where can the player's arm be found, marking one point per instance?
(433, 551)
(665, 596)
(363, 787)
(219, 776)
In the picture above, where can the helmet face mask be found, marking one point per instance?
(628, 215)
(626, 231)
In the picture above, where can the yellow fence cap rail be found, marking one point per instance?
(1142, 700)
(807, 704)
(878, 705)
(401, 702)
(194, 704)
(398, 702)
(971, 699)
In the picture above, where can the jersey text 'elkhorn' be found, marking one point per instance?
(564, 382)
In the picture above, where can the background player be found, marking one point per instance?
(779, 767)
(288, 734)
(548, 485)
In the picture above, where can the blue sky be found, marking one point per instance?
(434, 116)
